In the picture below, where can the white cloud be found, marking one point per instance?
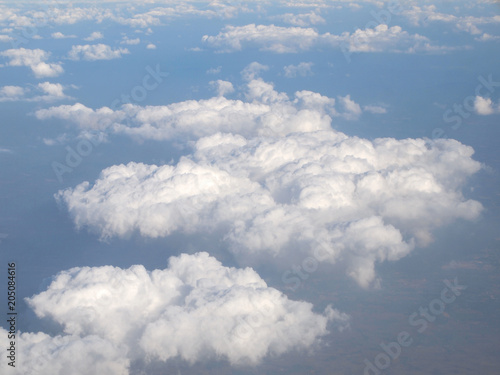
(92, 52)
(195, 309)
(60, 139)
(94, 36)
(44, 91)
(39, 353)
(5, 38)
(265, 112)
(154, 16)
(222, 87)
(151, 46)
(270, 38)
(270, 172)
(35, 59)
(283, 183)
(383, 39)
(352, 109)
(52, 91)
(11, 93)
(214, 70)
(294, 39)
(131, 42)
(303, 19)
(84, 116)
(71, 15)
(419, 15)
(485, 106)
(374, 109)
(253, 70)
(487, 37)
(303, 69)
(59, 35)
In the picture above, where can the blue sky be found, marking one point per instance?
(251, 187)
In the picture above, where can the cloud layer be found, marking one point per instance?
(264, 112)
(277, 180)
(278, 39)
(195, 309)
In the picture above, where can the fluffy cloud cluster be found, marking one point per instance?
(222, 87)
(278, 181)
(268, 37)
(302, 69)
(130, 42)
(44, 91)
(11, 93)
(485, 106)
(60, 14)
(94, 36)
(59, 35)
(272, 175)
(5, 38)
(264, 112)
(301, 19)
(429, 13)
(36, 59)
(195, 309)
(39, 353)
(381, 38)
(92, 52)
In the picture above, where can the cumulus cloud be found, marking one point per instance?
(85, 117)
(264, 112)
(487, 37)
(485, 106)
(39, 353)
(302, 19)
(214, 70)
(52, 91)
(381, 38)
(151, 46)
(35, 59)
(419, 15)
(154, 16)
(127, 40)
(253, 70)
(270, 38)
(44, 91)
(303, 69)
(59, 35)
(222, 87)
(11, 93)
(94, 36)
(271, 173)
(352, 109)
(92, 52)
(6, 38)
(351, 200)
(195, 309)
(72, 15)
